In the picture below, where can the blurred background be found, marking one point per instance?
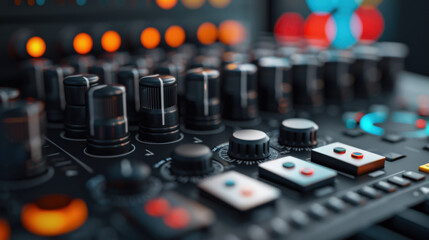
(55, 29)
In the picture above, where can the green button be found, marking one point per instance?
(288, 165)
(340, 150)
(229, 183)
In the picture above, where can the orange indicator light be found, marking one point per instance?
(175, 36)
(166, 4)
(36, 47)
(231, 32)
(111, 41)
(82, 43)
(150, 38)
(207, 33)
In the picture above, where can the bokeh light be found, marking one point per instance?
(207, 33)
(193, 4)
(348, 6)
(175, 36)
(220, 3)
(322, 6)
(82, 43)
(111, 41)
(289, 28)
(36, 47)
(348, 30)
(319, 30)
(371, 2)
(150, 38)
(4, 230)
(166, 4)
(231, 32)
(372, 24)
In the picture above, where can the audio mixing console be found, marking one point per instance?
(213, 141)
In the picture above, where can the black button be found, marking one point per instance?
(413, 176)
(426, 147)
(385, 186)
(354, 133)
(299, 218)
(393, 156)
(336, 204)
(402, 182)
(370, 192)
(393, 138)
(278, 227)
(354, 199)
(318, 211)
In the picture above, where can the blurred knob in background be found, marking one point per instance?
(239, 92)
(76, 93)
(337, 75)
(307, 81)
(392, 55)
(130, 78)
(275, 85)
(8, 95)
(365, 72)
(54, 92)
(22, 134)
(202, 99)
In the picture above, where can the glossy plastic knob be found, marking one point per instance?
(107, 121)
(76, 93)
(127, 177)
(191, 160)
(202, 99)
(158, 108)
(298, 132)
(249, 145)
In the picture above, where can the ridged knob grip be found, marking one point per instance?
(249, 145)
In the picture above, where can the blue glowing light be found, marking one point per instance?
(348, 5)
(40, 2)
(367, 123)
(80, 2)
(322, 6)
(348, 29)
(351, 123)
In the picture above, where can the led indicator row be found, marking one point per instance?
(229, 32)
(164, 4)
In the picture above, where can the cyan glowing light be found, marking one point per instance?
(409, 118)
(80, 2)
(351, 123)
(40, 2)
(348, 5)
(348, 30)
(367, 123)
(323, 6)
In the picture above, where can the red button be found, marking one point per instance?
(307, 171)
(157, 207)
(177, 218)
(357, 155)
(246, 192)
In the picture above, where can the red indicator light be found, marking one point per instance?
(319, 30)
(289, 28)
(372, 24)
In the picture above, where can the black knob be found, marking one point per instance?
(202, 99)
(393, 55)
(158, 107)
(107, 121)
(81, 63)
(337, 75)
(365, 72)
(298, 132)
(127, 177)
(54, 92)
(105, 70)
(249, 145)
(33, 82)
(22, 134)
(176, 70)
(275, 85)
(76, 93)
(191, 160)
(8, 95)
(307, 81)
(239, 92)
(130, 78)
